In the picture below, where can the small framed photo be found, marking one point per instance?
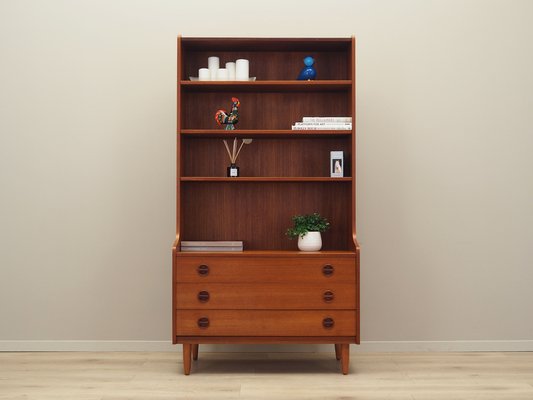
(336, 164)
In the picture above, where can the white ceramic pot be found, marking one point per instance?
(312, 241)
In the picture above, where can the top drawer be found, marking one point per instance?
(267, 269)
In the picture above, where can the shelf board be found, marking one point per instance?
(269, 253)
(264, 133)
(264, 179)
(265, 44)
(268, 86)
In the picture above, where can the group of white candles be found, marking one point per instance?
(234, 71)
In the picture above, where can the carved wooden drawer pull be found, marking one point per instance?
(203, 296)
(328, 270)
(328, 322)
(203, 322)
(203, 270)
(328, 296)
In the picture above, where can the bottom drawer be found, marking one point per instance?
(265, 323)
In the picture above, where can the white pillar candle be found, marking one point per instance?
(222, 74)
(230, 66)
(203, 74)
(213, 63)
(242, 70)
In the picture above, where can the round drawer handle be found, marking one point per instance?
(203, 270)
(203, 296)
(328, 270)
(203, 322)
(328, 322)
(328, 296)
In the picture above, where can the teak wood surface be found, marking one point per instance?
(241, 322)
(264, 269)
(269, 293)
(220, 296)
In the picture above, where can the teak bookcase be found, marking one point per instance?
(270, 292)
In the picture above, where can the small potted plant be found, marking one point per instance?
(307, 228)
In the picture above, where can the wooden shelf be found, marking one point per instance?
(269, 253)
(268, 86)
(266, 44)
(264, 133)
(263, 179)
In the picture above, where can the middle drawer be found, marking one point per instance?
(218, 296)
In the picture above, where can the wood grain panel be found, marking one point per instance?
(262, 110)
(266, 339)
(266, 296)
(227, 269)
(264, 157)
(261, 323)
(265, 44)
(274, 65)
(316, 86)
(219, 133)
(260, 213)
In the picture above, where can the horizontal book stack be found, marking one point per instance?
(323, 123)
(211, 246)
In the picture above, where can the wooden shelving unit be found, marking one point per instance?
(270, 292)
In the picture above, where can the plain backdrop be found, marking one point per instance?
(444, 164)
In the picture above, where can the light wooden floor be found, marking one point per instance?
(158, 376)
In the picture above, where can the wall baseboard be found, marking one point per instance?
(366, 346)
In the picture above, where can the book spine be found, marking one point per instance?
(210, 249)
(327, 119)
(211, 244)
(321, 127)
(323, 123)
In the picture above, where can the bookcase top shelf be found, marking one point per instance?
(265, 44)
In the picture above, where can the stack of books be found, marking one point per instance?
(323, 123)
(211, 246)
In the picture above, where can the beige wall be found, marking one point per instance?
(445, 170)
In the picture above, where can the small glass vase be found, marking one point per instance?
(233, 171)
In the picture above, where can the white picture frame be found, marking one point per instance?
(336, 164)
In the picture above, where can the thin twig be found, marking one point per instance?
(234, 151)
(242, 144)
(227, 149)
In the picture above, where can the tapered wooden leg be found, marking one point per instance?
(338, 351)
(195, 351)
(187, 358)
(345, 358)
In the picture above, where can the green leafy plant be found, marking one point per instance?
(307, 223)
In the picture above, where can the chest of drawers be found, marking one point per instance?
(265, 298)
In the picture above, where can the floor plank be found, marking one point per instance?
(310, 376)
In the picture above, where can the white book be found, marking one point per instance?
(211, 243)
(209, 248)
(327, 119)
(321, 127)
(323, 123)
